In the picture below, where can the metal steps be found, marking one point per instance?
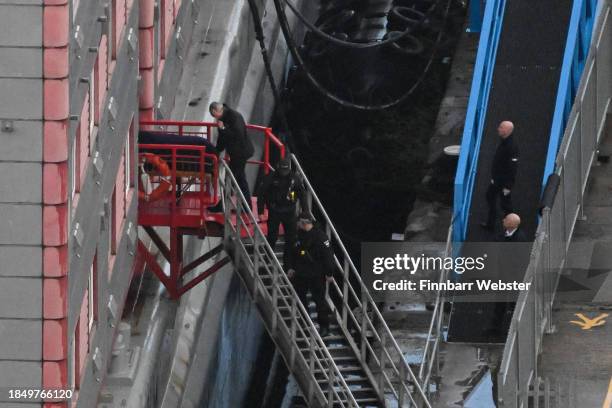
(359, 364)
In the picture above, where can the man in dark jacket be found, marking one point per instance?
(503, 174)
(310, 264)
(512, 229)
(513, 263)
(233, 138)
(280, 192)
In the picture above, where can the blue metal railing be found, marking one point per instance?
(476, 112)
(576, 50)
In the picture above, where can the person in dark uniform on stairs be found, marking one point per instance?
(310, 265)
(233, 138)
(503, 174)
(280, 191)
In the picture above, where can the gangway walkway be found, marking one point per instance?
(523, 90)
(360, 365)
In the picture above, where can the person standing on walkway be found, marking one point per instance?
(233, 138)
(503, 174)
(513, 264)
(512, 229)
(310, 265)
(280, 191)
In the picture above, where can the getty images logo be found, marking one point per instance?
(411, 264)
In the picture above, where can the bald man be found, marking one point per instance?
(512, 231)
(503, 174)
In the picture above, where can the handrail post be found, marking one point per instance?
(345, 284)
(257, 265)
(381, 375)
(293, 332)
(267, 152)
(402, 375)
(311, 366)
(330, 385)
(274, 301)
(364, 328)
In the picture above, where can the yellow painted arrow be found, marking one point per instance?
(588, 323)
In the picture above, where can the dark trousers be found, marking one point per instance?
(493, 192)
(237, 165)
(316, 286)
(289, 221)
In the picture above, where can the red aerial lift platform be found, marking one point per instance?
(179, 190)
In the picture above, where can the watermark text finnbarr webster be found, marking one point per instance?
(489, 270)
(426, 284)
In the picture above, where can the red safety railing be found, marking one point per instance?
(204, 129)
(192, 178)
(184, 185)
(269, 139)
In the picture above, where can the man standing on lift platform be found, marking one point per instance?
(233, 138)
(503, 174)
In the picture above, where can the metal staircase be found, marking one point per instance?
(361, 365)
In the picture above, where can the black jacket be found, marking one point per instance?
(234, 137)
(514, 259)
(505, 163)
(518, 236)
(280, 193)
(311, 255)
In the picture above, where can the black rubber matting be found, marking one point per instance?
(524, 88)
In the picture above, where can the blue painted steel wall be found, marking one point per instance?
(576, 51)
(475, 118)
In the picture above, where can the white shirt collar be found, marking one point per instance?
(509, 233)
